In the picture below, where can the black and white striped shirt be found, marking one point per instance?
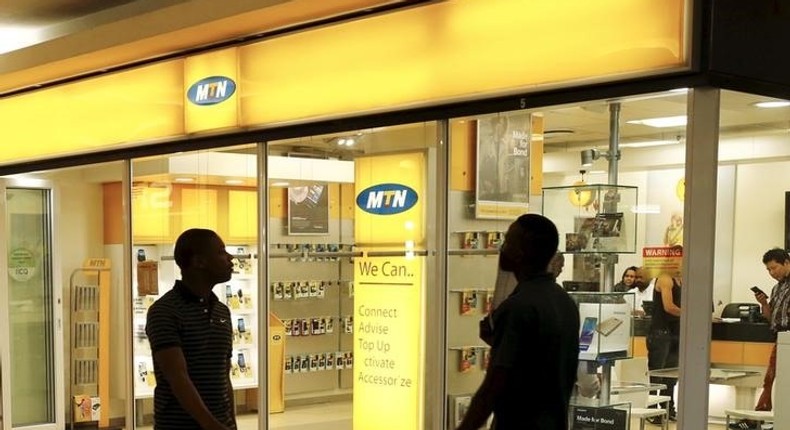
(202, 328)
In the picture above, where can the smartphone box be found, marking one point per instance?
(606, 329)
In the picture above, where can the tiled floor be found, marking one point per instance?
(337, 416)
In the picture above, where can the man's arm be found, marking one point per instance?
(664, 285)
(174, 367)
(483, 401)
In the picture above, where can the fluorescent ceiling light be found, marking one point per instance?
(648, 143)
(679, 90)
(234, 181)
(18, 37)
(280, 184)
(772, 104)
(646, 209)
(184, 179)
(662, 122)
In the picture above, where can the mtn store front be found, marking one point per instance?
(354, 201)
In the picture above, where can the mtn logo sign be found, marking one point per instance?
(211, 90)
(387, 199)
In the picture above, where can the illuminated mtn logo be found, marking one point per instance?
(387, 199)
(211, 90)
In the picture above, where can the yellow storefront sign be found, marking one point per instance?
(212, 91)
(438, 52)
(390, 199)
(388, 357)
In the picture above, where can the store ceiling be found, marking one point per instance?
(29, 22)
(51, 12)
(590, 122)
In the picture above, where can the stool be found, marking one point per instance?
(748, 414)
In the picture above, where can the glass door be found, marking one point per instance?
(31, 350)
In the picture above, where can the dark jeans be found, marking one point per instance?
(662, 352)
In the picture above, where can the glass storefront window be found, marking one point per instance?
(348, 270)
(216, 190)
(60, 311)
(564, 146)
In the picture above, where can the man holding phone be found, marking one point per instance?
(777, 311)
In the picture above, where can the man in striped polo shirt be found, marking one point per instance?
(191, 337)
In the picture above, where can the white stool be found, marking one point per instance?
(748, 414)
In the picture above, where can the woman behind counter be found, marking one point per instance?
(627, 281)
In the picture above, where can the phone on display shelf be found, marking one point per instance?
(588, 331)
(242, 328)
(757, 290)
(242, 362)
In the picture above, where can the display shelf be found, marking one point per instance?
(593, 219)
(463, 252)
(238, 294)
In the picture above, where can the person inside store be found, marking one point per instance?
(663, 337)
(777, 311)
(588, 383)
(522, 388)
(642, 290)
(191, 338)
(626, 281)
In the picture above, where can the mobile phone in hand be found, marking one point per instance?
(757, 290)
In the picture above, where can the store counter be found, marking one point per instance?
(732, 343)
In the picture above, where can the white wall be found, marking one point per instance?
(759, 224)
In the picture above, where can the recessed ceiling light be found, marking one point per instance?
(661, 122)
(184, 179)
(234, 181)
(557, 132)
(648, 143)
(772, 104)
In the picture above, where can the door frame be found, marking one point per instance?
(57, 308)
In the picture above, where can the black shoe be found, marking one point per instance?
(745, 425)
(655, 420)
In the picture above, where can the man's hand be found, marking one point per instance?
(761, 297)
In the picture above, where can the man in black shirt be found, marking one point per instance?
(191, 339)
(534, 354)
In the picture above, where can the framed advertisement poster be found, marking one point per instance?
(308, 209)
(502, 189)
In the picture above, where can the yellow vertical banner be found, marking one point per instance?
(389, 203)
(388, 382)
(211, 91)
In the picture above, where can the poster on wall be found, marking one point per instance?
(502, 189)
(308, 209)
(659, 260)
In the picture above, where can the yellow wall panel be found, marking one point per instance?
(151, 207)
(199, 208)
(242, 214)
(463, 135)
